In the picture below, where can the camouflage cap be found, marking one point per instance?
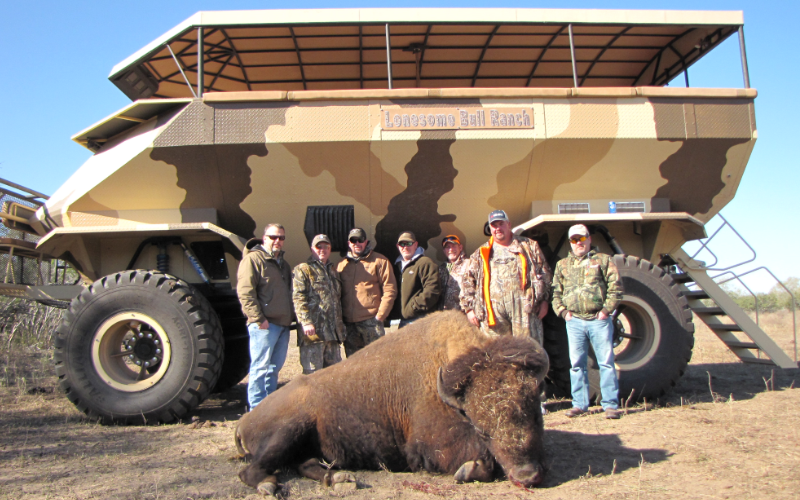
(497, 215)
(320, 238)
(451, 238)
(578, 230)
(407, 236)
(357, 232)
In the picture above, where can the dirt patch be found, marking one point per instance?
(728, 430)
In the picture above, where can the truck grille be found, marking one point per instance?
(573, 208)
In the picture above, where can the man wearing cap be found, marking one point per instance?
(368, 292)
(419, 281)
(507, 282)
(586, 291)
(316, 293)
(264, 288)
(451, 273)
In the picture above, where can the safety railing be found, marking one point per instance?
(729, 270)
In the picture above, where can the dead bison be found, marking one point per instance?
(438, 395)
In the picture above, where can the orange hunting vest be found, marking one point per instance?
(485, 252)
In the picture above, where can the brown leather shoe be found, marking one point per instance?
(612, 413)
(574, 412)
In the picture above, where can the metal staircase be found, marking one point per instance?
(725, 318)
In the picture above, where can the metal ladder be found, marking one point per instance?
(696, 272)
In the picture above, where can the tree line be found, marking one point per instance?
(776, 299)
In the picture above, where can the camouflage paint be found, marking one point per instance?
(430, 175)
(215, 177)
(254, 162)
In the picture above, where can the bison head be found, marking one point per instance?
(498, 388)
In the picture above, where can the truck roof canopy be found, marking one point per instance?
(330, 49)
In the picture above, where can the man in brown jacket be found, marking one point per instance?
(264, 288)
(368, 292)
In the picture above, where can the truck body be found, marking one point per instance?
(390, 120)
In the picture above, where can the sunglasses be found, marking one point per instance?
(357, 240)
(578, 239)
(322, 245)
(405, 244)
(274, 237)
(454, 239)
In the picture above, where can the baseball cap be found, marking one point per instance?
(357, 232)
(497, 215)
(451, 238)
(579, 230)
(320, 238)
(407, 236)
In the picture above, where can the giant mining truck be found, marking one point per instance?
(391, 120)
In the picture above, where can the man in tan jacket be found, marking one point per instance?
(368, 292)
(264, 288)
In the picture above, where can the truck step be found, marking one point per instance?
(724, 327)
(715, 311)
(758, 361)
(741, 345)
(696, 294)
(681, 278)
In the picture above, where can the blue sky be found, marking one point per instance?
(58, 56)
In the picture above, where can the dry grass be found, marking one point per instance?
(735, 437)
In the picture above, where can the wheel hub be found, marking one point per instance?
(131, 352)
(144, 349)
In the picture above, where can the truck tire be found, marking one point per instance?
(557, 347)
(138, 347)
(237, 341)
(655, 330)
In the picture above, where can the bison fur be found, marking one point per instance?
(438, 395)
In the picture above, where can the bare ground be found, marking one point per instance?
(728, 430)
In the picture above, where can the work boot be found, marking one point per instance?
(574, 412)
(612, 413)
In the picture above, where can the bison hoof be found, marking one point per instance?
(343, 481)
(464, 473)
(267, 488)
(345, 486)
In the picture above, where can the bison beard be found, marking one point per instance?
(438, 395)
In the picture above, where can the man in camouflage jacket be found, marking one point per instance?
(586, 290)
(451, 273)
(505, 288)
(316, 293)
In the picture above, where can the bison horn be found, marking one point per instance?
(447, 398)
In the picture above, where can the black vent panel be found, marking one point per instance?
(334, 220)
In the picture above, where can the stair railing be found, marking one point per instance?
(704, 246)
(738, 276)
(786, 289)
(739, 279)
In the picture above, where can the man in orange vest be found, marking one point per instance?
(506, 286)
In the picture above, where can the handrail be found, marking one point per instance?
(739, 276)
(35, 194)
(739, 279)
(794, 302)
(708, 240)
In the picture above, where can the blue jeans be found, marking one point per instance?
(600, 333)
(267, 355)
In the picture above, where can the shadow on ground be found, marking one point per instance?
(740, 380)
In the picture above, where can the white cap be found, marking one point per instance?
(578, 230)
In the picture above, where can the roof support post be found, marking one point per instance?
(745, 71)
(686, 76)
(180, 67)
(200, 57)
(388, 56)
(572, 56)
